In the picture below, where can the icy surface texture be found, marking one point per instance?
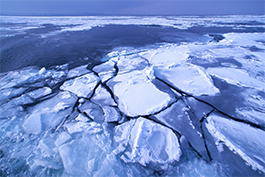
(187, 78)
(182, 109)
(81, 70)
(147, 143)
(50, 113)
(82, 86)
(179, 118)
(242, 139)
(136, 95)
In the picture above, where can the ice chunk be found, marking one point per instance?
(85, 154)
(52, 111)
(178, 117)
(11, 92)
(106, 70)
(75, 127)
(33, 124)
(236, 77)
(136, 95)
(63, 138)
(102, 97)
(131, 62)
(168, 55)
(187, 78)
(81, 70)
(111, 114)
(35, 94)
(150, 144)
(241, 138)
(122, 135)
(199, 108)
(23, 99)
(93, 111)
(82, 118)
(82, 86)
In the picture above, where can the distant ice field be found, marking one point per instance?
(132, 96)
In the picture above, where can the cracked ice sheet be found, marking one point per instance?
(167, 55)
(136, 95)
(187, 78)
(148, 143)
(236, 77)
(49, 113)
(179, 117)
(82, 86)
(249, 143)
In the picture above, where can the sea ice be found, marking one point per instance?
(50, 113)
(187, 78)
(236, 77)
(136, 95)
(147, 143)
(102, 97)
(81, 70)
(132, 62)
(179, 118)
(82, 86)
(241, 138)
(35, 94)
(106, 70)
(93, 111)
(198, 108)
(168, 55)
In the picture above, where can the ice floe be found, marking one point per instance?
(187, 78)
(236, 77)
(50, 113)
(78, 71)
(82, 86)
(179, 118)
(147, 143)
(242, 139)
(136, 95)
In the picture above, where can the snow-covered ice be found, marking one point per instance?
(179, 117)
(244, 140)
(78, 71)
(136, 95)
(147, 143)
(187, 78)
(82, 86)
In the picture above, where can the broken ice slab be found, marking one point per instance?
(35, 94)
(148, 143)
(78, 71)
(111, 114)
(188, 78)
(243, 103)
(236, 77)
(198, 108)
(166, 56)
(93, 111)
(223, 135)
(50, 113)
(106, 70)
(137, 95)
(10, 93)
(130, 63)
(85, 154)
(179, 118)
(102, 97)
(82, 86)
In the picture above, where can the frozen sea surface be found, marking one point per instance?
(132, 96)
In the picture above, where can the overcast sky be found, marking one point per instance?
(133, 7)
